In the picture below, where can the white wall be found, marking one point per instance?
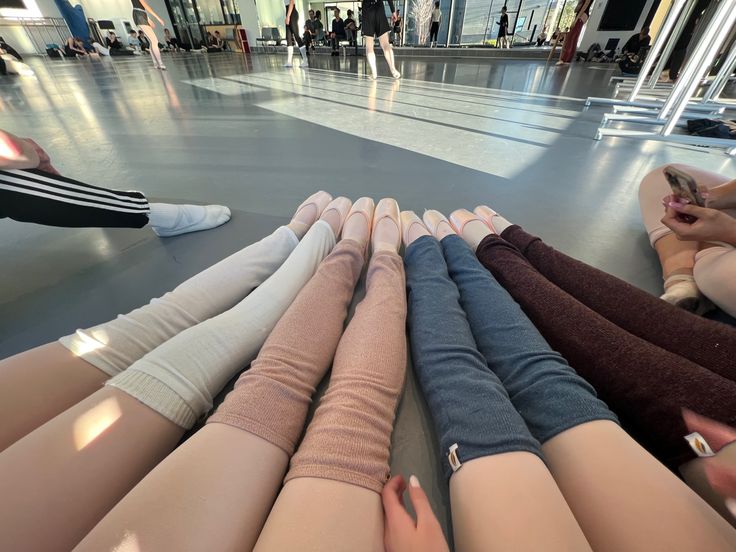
(118, 10)
(591, 34)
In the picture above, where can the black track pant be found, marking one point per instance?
(53, 200)
(292, 29)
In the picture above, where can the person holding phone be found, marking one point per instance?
(695, 243)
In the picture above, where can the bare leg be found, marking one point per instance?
(39, 384)
(155, 52)
(511, 502)
(94, 452)
(599, 468)
(388, 53)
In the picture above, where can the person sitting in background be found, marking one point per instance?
(220, 41)
(212, 44)
(637, 42)
(319, 28)
(144, 42)
(74, 47)
(172, 43)
(9, 65)
(351, 29)
(112, 41)
(9, 49)
(307, 38)
(542, 37)
(134, 42)
(309, 27)
(338, 32)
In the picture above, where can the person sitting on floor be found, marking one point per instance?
(172, 43)
(74, 47)
(542, 37)
(637, 42)
(338, 32)
(307, 38)
(9, 49)
(144, 42)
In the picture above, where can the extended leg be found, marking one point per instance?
(331, 498)
(153, 40)
(702, 341)
(234, 466)
(388, 53)
(503, 497)
(370, 56)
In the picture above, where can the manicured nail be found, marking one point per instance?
(414, 482)
(731, 505)
(675, 205)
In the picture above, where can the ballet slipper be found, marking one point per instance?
(304, 217)
(341, 206)
(412, 227)
(353, 230)
(486, 214)
(438, 224)
(473, 234)
(383, 238)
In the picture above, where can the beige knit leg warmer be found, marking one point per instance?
(272, 399)
(349, 438)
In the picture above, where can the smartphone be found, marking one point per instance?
(683, 185)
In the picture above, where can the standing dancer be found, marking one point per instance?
(582, 12)
(375, 24)
(292, 34)
(141, 11)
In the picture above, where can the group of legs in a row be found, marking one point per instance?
(535, 460)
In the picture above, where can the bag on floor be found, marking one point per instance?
(631, 64)
(712, 128)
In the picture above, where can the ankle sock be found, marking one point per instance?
(682, 291)
(271, 400)
(115, 345)
(167, 220)
(473, 415)
(349, 437)
(179, 378)
(544, 389)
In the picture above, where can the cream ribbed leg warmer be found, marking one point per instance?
(349, 437)
(115, 345)
(272, 399)
(179, 378)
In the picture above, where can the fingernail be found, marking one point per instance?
(675, 205)
(414, 482)
(731, 505)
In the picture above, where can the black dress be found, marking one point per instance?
(375, 22)
(504, 22)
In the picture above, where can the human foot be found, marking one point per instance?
(168, 220)
(335, 213)
(469, 227)
(386, 226)
(395, 74)
(308, 212)
(412, 227)
(495, 222)
(438, 224)
(682, 291)
(358, 227)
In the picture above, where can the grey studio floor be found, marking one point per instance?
(252, 135)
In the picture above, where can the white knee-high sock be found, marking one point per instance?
(371, 57)
(115, 345)
(180, 378)
(289, 54)
(167, 219)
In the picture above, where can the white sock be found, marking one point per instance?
(180, 378)
(166, 219)
(303, 52)
(115, 345)
(289, 54)
(682, 291)
(371, 57)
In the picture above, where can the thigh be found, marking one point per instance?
(40, 383)
(324, 515)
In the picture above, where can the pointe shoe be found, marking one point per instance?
(396, 75)
(412, 227)
(384, 237)
(352, 230)
(486, 214)
(303, 218)
(340, 205)
(475, 233)
(438, 224)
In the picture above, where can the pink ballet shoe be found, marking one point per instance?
(365, 208)
(412, 227)
(438, 224)
(486, 214)
(387, 208)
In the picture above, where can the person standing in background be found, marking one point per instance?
(141, 11)
(503, 31)
(434, 29)
(292, 35)
(397, 29)
(582, 12)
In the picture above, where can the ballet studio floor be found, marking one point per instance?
(259, 138)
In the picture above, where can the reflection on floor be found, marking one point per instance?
(259, 138)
